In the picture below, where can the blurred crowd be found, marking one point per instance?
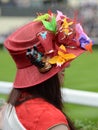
(19, 3)
(86, 12)
(26, 3)
(89, 18)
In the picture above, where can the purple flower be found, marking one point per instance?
(83, 41)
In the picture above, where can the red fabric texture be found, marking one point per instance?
(37, 114)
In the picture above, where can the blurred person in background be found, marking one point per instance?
(41, 51)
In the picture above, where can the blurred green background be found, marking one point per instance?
(82, 74)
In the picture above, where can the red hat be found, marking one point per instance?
(44, 47)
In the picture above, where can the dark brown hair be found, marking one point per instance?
(50, 90)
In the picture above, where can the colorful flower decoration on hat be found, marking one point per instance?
(38, 59)
(62, 56)
(66, 26)
(42, 17)
(50, 25)
(59, 33)
(43, 34)
(84, 41)
(48, 20)
(60, 15)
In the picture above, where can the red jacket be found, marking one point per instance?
(37, 114)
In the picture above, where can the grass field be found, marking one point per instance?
(82, 75)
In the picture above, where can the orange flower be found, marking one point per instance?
(62, 57)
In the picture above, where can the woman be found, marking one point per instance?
(41, 50)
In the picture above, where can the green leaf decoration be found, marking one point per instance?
(50, 25)
(42, 17)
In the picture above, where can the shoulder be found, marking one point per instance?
(51, 116)
(41, 112)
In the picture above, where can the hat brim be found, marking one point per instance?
(30, 76)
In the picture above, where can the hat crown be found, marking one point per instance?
(24, 37)
(27, 37)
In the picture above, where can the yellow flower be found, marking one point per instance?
(65, 26)
(62, 57)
